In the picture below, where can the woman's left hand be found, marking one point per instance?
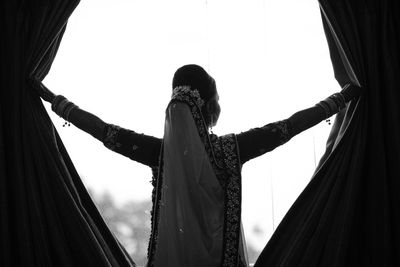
(43, 91)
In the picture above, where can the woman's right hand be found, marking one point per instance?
(43, 91)
(351, 91)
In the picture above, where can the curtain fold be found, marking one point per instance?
(47, 217)
(348, 214)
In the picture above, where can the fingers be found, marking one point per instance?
(351, 91)
(43, 91)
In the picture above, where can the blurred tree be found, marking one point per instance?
(130, 222)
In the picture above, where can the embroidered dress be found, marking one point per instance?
(196, 215)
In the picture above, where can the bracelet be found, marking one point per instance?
(339, 100)
(68, 110)
(57, 100)
(64, 108)
(61, 107)
(325, 107)
(332, 104)
(333, 107)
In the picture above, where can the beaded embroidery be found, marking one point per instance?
(110, 137)
(285, 130)
(233, 199)
(180, 92)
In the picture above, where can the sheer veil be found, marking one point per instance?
(190, 229)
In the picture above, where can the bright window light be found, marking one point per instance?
(269, 59)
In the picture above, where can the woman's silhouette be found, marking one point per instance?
(197, 182)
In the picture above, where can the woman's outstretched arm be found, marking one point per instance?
(139, 147)
(88, 122)
(257, 141)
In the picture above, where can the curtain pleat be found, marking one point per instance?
(47, 217)
(348, 214)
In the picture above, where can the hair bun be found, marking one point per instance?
(195, 77)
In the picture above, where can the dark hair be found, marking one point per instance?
(197, 78)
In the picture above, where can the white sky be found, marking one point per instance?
(268, 57)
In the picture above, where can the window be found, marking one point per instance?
(269, 58)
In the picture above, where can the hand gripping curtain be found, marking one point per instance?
(349, 213)
(46, 215)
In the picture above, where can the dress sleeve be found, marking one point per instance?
(138, 147)
(257, 141)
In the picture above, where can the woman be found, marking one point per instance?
(196, 215)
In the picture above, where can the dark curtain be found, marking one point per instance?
(46, 215)
(348, 215)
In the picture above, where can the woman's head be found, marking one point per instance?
(197, 78)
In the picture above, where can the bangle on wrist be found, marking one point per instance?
(333, 107)
(68, 110)
(57, 100)
(339, 100)
(61, 107)
(65, 108)
(325, 107)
